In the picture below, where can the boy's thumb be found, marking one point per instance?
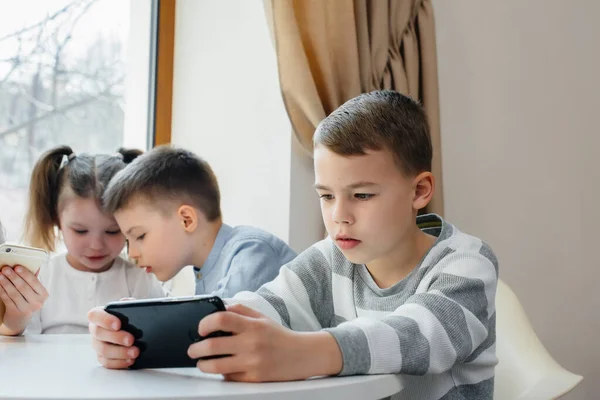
(243, 310)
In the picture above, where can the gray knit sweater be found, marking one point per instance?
(436, 327)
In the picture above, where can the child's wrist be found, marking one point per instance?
(323, 354)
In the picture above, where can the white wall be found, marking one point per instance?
(520, 97)
(227, 108)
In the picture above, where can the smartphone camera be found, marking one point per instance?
(8, 250)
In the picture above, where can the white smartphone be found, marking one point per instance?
(29, 257)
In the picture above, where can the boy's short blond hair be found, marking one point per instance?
(164, 176)
(380, 120)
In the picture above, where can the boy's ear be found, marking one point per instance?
(424, 185)
(188, 216)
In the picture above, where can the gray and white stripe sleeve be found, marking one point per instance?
(432, 330)
(300, 297)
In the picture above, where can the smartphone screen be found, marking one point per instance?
(164, 329)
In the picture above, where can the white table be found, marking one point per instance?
(65, 367)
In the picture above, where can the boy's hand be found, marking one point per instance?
(22, 294)
(261, 350)
(113, 346)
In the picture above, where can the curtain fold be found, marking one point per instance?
(329, 51)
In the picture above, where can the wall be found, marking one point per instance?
(519, 103)
(227, 108)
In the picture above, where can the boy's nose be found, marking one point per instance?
(341, 215)
(133, 253)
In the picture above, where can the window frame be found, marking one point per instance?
(160, 112)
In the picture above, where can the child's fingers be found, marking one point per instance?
(244, 310)
(215, 347)
(8, 302)
(114, 364)
(32, 281)
(33, 302)
(98, 316)
(224, 365)
(12, 292)
(120, 338)
(5, 271)
(113, 351)
(236, 377)
(221, 321)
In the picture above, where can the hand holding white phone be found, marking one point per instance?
(17, 305)
(29, 257)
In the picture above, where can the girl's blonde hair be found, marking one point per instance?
(60, 172)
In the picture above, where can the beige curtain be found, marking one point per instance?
(329, 51)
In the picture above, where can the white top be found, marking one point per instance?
(51, 367)
(72, 293)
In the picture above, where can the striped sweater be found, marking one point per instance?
(436, 327)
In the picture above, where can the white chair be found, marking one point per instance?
(526, 371)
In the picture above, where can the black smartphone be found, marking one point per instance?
(164, 328)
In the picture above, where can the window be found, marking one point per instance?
(75, 72)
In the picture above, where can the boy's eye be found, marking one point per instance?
(363, 196)
(113, 232)
(140, 237)
(326, 197)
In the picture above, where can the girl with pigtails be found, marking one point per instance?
(65, 198)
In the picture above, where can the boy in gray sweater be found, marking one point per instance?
(386, 292)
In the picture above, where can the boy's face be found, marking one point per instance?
(366, 202)
(157, 240)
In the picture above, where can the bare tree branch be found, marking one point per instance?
(38, 103)
(47, 115)
(58, 110)
(19, 60)
(75, 72)
(16, 60)
(38, 24)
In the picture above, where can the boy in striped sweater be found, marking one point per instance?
(382, 294)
